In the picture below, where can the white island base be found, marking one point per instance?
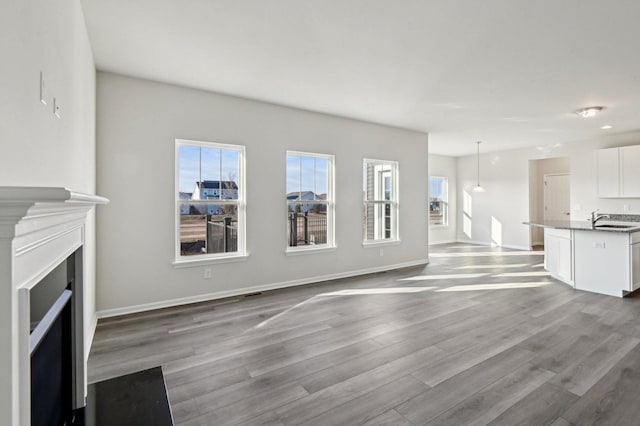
(591, 260)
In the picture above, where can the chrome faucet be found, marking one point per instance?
(595, 218)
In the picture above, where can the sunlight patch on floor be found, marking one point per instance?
(441, 277)
(503, 286)
(523, 274)
(268, 320)
(489, 253)
(388, 290)
(468, 247)
(512, 265)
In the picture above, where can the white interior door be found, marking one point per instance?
(556, 196)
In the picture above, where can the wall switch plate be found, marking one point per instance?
(207, 273)
(599, 245)
(56, 107)
(42, 89)
(577, 207)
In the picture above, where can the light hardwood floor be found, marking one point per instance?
(479, 336)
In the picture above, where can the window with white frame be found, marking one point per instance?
(210, 200)
(380, 201)
(310, 201)
(438, 201)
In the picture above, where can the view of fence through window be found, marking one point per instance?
(308, 199)
(438, 206)
(208, 199)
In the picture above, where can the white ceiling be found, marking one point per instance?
(507, 72)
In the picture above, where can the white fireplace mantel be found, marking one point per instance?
(39, 228)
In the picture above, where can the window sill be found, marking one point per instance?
(308, 250)
(191, 263)
(379, 243)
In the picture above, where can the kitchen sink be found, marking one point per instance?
(615, 226)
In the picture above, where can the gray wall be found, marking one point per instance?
(138, 122)
(37, 148)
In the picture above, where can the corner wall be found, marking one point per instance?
(37, 148)
(138, 122)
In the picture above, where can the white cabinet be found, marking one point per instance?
(618, 172)
(598, 261)
(634, 252)
(630, 171)
(558, 254)
(608, 172)
(607, 262)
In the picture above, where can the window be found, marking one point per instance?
(210, 205)
(380, 201)
(309, 201)
(438, 205)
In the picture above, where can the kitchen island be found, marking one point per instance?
(603, 259)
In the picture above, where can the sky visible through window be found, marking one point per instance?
(436, 187)
(314, 176)
(197, 163)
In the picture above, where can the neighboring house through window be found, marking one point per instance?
(438, 201)
(380, 201)
(210, 205)
(310, 201)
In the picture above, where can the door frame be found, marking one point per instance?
(544, 193)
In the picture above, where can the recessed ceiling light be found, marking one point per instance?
(607, 127)
(589, 111)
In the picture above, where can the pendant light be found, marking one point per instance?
(478, 188)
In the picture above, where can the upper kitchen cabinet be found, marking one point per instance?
(630, 171)
(618, 171)
(608, 172)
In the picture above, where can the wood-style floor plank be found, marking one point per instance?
(486, 405)
(370, 405)
(388, 418)
(329, 398)
(541, 407)
(585, 372)
(613, 400)
(446, 395)
(479, 336)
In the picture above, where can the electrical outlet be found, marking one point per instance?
(56, 107)
(207, 273)
(599, 245)
(625, 207)
(43, 98)
(381, 252)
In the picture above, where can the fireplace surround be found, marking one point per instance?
(40, 229)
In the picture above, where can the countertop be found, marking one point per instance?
(584, 225)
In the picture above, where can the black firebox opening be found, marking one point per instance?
(56, 345)
(51, 365)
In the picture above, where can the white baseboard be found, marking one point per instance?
(107, 313)
(88, 339)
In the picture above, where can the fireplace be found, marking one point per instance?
(55, 320)
(41, 304)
